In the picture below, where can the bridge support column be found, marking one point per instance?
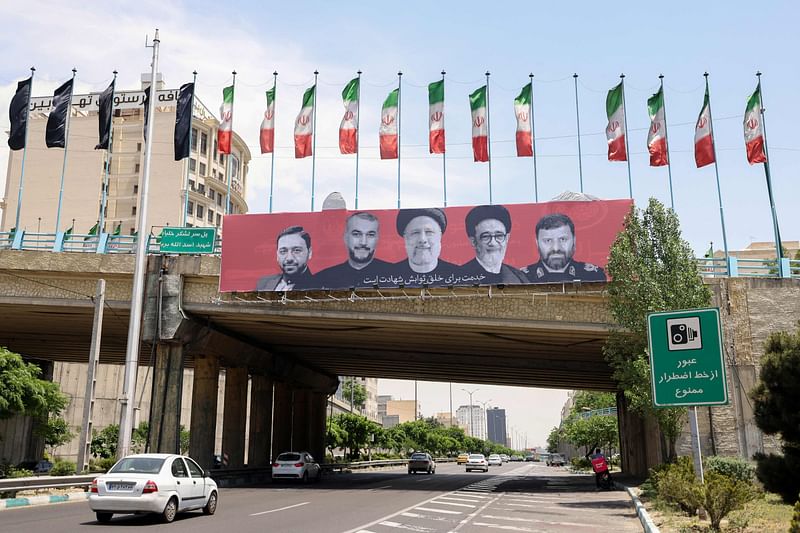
(234, 416)
(318, 428)
(302, 419)
(282, 424)
(258, 450)
(640, 442)
(204, 410)
(165, 410)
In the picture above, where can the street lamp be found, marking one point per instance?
(470, 408)
(485, 415)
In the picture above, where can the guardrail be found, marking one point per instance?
(13, 485)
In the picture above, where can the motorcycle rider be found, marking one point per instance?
(599, 466)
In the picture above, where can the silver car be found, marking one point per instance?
(296, 465)
(160, 483)
(477, 461)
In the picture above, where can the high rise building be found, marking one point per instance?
(371, 407)
(496, 425)
(208, 170)
(476, 427)
(393, 412)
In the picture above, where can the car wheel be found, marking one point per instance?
(170, 510)
(211, 505)
(318, 477)
(305, 477)
(410, 472)
(104, 517)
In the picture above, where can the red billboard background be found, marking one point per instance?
(249, 241)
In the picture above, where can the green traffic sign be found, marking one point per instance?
(687, 366)
(176, 240)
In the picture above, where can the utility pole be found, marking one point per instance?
(471, 433)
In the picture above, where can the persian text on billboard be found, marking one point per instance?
(513, 244)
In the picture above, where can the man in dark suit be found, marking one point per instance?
(362, 268)
(422, 231)
(555, 238)
(294, 252)
(489, 229)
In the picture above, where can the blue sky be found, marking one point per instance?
(597, 40)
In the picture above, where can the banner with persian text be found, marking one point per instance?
(513, 244)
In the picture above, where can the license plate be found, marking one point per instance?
(120, 486)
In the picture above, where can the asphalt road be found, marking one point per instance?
(517, 497)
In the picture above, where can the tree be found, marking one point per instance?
(55, 432)
(354, 393)
(775, 410)
(553, 439)
(591, 431)
(22, 392)
(356, 432)
(652, 268)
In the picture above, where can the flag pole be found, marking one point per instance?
(578, 122)
(272, 159)
(104, 196)
(716, 171)
(666, 141)
(228, 165)
(358, 129)
(186, 180)
(533, 146)
(24, 151)
(66, 142)
(444, 154)
(314, 140)
(488, 138)
(134, 323)
(625, 124)
(399, 114)
(776, 228)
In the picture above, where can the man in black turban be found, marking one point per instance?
(489, 229)
(422, 231)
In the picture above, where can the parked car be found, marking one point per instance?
(530, 458)
(556, 459)
(505, 457)
(477, 461)
(421, 462)
(516, 458)
(160, 483)
(462, 458)
(296, 465)
(495, 460)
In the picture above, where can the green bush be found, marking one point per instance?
(723, 494)
(62, 468)
(677, 485)
(581, 463)
(19, 472)
(732, 467)
(795, 525)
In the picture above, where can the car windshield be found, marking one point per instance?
(288, 457)
(419, 456)
(476, 457)
(138, 465)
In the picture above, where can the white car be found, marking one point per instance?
(296, 465)
(477, 461)
(495, 460)
(160, 483)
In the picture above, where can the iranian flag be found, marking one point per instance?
(388, 129)
(703, 136)
(226, 121)
(267, 136)
(348, 129)
(754, 129)
(615, 131)
(436, 116)
(657, 135)
(480, 129)
(523, 109)
(304, 125)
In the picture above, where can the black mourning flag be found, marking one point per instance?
(55, 134)
(18, 114)
(146, 111)
(183, 121)
(104, 114)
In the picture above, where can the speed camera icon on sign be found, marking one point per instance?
(684, 333)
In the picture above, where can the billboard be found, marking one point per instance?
(513, 244)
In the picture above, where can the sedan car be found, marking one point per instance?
(296, 465)
(477, 461)
(505, 457)
(462, 458)
(160, 483)
(495, 460)
(421, 462)
(556, 459)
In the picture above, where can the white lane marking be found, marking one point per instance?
(410, 527)
(364, 531)
(474, 514)
(459, 499)
(439, 501)
(281, 509)
(509, 528)
(432, 510)
(534, 520)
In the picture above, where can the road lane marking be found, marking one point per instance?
(410, 527)
(474, 514)
(535, 520)
(432, 510)
(460, 499)
(439, 501)
(281, 509)
(509, 528)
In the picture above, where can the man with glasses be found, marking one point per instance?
(489, 229)
(555, 239)
(422, 231)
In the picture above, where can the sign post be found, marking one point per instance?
(176, 240)
(687, 366)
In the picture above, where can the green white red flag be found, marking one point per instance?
(304, 125)
(523, 109)
(703, 135)
(267, 135)
(226, 121)
(436, 116)
(388, 129)
(480, 129)
(615, 131)
(754, 129)
(348, 129)
(657, 135)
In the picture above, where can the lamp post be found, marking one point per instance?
(486, 415)
(473, 391)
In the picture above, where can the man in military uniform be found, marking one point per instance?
(489, 229)
(555, 239)
(293, 254)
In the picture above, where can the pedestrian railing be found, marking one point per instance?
(605, 411)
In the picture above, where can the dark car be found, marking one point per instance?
(421, 462)
(531, 458)
(556, 459)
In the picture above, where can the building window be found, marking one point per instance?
(190, 208)
(202, 169)
(211, 193)
(200, 211)
(215, 149)
(191, 185)
(135, 189)
(214, 173)
(194, 139)
(203, 142)
(234, 166)
(136, 168)
(219, 219)
(219, 199)
(189, 225)
(201, 188)
(192, 165)
(138, 147)
(210, 216)
(133, 211)
(131, 231)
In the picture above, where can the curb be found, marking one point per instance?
(9, 503)
(647, 523)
